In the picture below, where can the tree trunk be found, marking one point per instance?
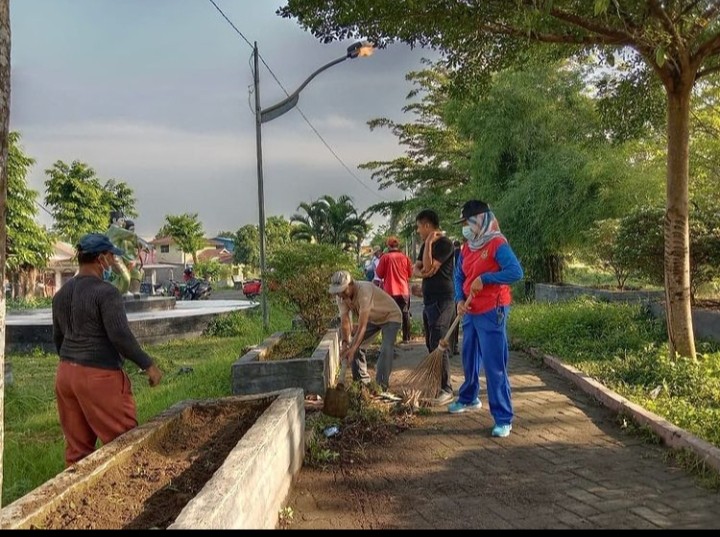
(4, 123)
(677, 235)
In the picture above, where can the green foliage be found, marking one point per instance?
(247, 241)
(212, 270)
(300, 274)
(329, 221)
(624, 349)
(80, 203)
(187, 231)
(28, 303)
(28, 243)
(294, 344)
(247, 324)
(539, 146)
(604, 251)
(641, 236)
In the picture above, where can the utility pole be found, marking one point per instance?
(261, 193)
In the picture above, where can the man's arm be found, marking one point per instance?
(459, 277)
(381, 268)
(360, 333)
(58, 335)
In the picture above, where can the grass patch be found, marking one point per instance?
(194, 369)
(294, 344)
(29, 303)
(625, 348)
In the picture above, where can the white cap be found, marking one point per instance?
(339, 282)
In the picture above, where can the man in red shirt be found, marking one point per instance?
(395, 269)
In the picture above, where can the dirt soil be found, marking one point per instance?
(151, 488)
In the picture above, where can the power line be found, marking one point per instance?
(43, 207)
(231, 23)
(277, 80)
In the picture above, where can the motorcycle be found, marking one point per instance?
(252, 289)
(197, 289)
(193, 289)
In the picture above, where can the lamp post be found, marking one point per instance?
(355, 50)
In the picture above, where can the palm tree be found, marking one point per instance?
(329, 221)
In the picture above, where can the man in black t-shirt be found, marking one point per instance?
(435, 264)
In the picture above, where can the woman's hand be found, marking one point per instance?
(476, 286)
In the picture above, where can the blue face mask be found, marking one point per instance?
(107, 274)
(468, 233)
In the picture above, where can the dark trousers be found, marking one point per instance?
(437, 318)
(403, 302)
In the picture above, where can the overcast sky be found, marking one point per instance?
(155, 93)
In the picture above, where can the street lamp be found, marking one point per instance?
(356, 50)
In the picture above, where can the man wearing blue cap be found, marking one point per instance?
(93, 337)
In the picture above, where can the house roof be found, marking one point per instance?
(163, 241)
(62, 251)
(223, 256)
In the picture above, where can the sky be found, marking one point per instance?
(156, 93)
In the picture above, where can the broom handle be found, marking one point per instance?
(455, 323)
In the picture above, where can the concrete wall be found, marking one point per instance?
(706, 323)
(24, 338)
(246, 492)
(545, 292)
(250, 488)
(252, 374)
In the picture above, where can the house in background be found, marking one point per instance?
(227, 242)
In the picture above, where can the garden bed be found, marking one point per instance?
(221, 464)
(254, 373)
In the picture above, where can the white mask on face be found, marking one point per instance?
(468, 232)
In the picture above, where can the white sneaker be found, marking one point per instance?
(443, 399)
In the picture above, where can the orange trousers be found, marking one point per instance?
(92, 403)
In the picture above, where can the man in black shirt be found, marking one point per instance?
(93, 338)
(435, 264)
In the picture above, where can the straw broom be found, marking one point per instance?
(424, 382)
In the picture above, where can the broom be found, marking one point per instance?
(424, 382)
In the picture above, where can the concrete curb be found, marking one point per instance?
(672, 435)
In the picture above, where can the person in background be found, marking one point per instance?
(486, 268)
(435, 267)
(92, 337)
(375, 312)
(377, 255)
(455, 339)
(395, 269)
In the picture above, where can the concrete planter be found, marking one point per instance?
(546, 292)
(246, 492)
(252, 374)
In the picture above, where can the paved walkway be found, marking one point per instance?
(567, 464)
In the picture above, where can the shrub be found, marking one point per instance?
(641, 236)
(604, 251)
(300, 274)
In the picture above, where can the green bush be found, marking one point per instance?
(28, 303)
(300, 274)
(641, 236)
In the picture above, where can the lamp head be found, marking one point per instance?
(360, 49)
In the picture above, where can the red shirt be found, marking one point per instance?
(395, 269)
(475, 263)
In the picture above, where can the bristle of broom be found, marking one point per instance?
(427, 376)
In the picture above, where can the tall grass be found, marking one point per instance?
(194, 369)
(625, 349)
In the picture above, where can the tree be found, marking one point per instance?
(247, 240)
(187, 231)
(541, 159)
(80, 203)
(329, 221)
(247, 246)
(679, 42)
(4, 125)
(120, 197)
(29, 246)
